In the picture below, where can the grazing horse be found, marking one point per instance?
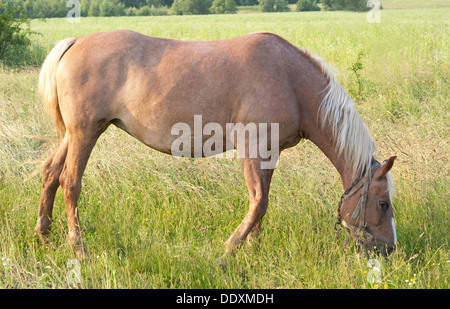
(146, 86)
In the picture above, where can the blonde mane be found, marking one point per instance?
(338, 112)
(351, 135)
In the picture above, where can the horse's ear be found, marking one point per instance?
(386, 166)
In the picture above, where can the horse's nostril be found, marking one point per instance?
(390, 250)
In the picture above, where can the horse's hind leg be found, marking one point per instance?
(258, 183)
(254, 233)
(50, 183)
(81, 142)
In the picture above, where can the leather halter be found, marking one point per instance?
(364, 182)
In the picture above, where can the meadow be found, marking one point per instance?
(153, 221)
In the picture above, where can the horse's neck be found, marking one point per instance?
(324, 138)
(327, 145)
(331, 120)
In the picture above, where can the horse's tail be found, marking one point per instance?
(47, 83)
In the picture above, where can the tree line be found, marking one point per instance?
(58, 8)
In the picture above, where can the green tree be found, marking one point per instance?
(111, 8)
(14, 33)
(347, 5)
(94, 8)
(223, 7)
(273, 5)
(281, 6)
(307, 5)
(267, 5)
(190, 7)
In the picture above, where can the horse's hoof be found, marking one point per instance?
(223, 260)
(42, 238)
(80, 252)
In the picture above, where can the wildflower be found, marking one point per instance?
(386, 286)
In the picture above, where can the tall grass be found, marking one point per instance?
(153, 221)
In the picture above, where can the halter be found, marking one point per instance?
(364, 182)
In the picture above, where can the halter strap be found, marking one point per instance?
(361, 207)
(364, 182)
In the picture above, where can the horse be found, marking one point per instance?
(146, 86)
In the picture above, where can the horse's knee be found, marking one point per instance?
(69, 184)
(258, 207)
(50, 176)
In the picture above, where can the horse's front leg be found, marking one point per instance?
(258, 183)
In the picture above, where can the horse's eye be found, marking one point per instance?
(384, 205)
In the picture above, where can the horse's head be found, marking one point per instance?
(366, 209)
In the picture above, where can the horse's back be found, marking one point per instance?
(145, 84)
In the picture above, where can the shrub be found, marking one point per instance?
(111, 8)
(273, 5)
(151, 11)
(307, 5)
(189, 7)
(281, 6)
(14, 33)
(94, 8)
(348, 5)
(223, 7)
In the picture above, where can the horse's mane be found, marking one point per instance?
(338, 112)
(351, 135)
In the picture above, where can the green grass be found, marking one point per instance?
(153, 221)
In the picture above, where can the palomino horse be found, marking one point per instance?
(146, 85)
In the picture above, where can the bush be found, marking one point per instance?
(347, 5)
(273, 5)
(14, 34)
(281, 6)
(151, 11)
(144, 11)
(190, 7)
(111, 8)
(94, 8)
(223, 7)
(307, 5)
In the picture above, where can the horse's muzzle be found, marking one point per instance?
(383, 250)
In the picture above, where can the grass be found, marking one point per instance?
(153, 221)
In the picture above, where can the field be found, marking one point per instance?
(153, 221)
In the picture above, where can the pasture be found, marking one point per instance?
(153, 221)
